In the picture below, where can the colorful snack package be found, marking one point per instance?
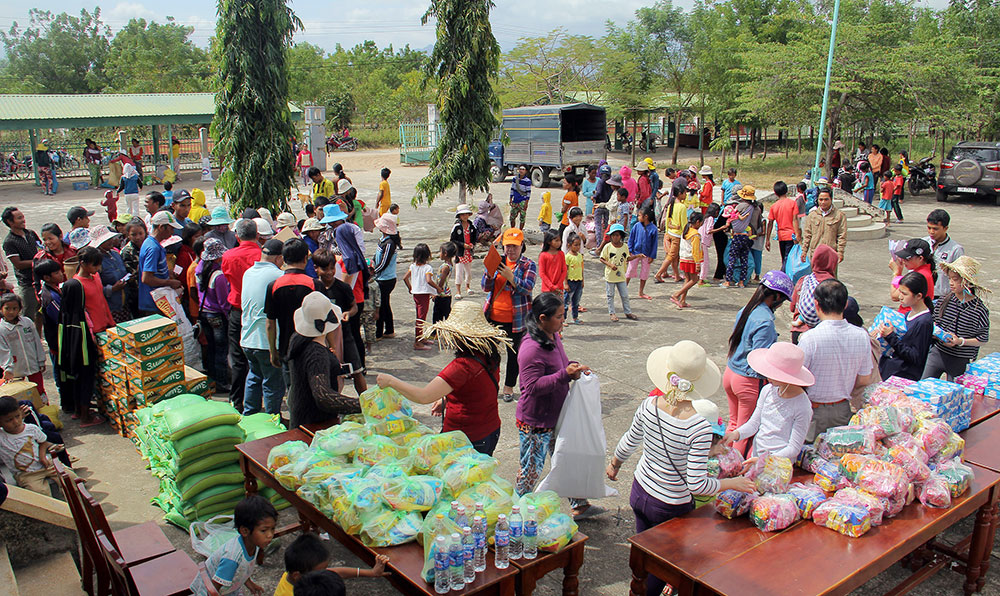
(865, 499)
(883, 420)
(895, 505)
(376, 448)
(771, 473)
(828, 477)
(389, 528)
(733, 503)
(882, 479)
(840, 440)
(287, 476)
(954, 447)
(412, 493)
(774, 512)
(284, 454)
(730, 463)
(428, 450)
(808, 458)
(849, 520)
(468, 471)
(935, 492)
(381, 404)
(389, 427)
(916, 470)
(387, 469)
(850, 464)
(934, 433)
(910, 443)
(807, 497)
(884, 395)
(556, 532)
(958, 475)
(546, 503)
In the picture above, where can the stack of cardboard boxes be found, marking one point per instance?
(141, 362)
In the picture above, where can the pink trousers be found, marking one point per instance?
(742, 393)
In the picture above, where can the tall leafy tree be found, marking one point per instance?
(58, 53)
(252, 123)
(150, 57)
(465, 61)
(550, 69)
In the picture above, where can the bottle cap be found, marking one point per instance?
(501, 517)
(454, 535)
(515, 508)
(466, 530)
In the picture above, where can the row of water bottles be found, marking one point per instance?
(459, 557)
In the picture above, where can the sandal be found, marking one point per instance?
(631, 317)
(590, 511)
(676, 301)
(614, 318)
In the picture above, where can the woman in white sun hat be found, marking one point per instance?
(464, 235)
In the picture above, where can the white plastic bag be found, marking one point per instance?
(579, 457)
(169, 305)
(208, 536)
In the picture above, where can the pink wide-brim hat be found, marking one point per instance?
(781, 362)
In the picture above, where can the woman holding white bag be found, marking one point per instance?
(545, 375)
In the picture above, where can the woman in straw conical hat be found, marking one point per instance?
(963, 316)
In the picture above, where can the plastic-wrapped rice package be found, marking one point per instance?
(807, 497)
(883, 420)
(935, 492)
(934, 433)
(850, 464)
(839, 440)
(916, 470)
(828, 477)
(850, 520)
(882, 479)
(733, 503)
(284, 454)
(771, 473)
(958, 475)
(865, 499)
(773, 512)
(910, 443)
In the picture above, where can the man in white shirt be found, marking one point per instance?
(944, 248)
(838, 354)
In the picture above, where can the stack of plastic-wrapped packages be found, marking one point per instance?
(983, 376)
(895, 451)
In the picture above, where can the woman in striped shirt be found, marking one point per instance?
(676, 440)
(963, 316)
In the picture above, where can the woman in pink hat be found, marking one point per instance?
(781, 419)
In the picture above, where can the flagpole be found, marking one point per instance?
(826, 90)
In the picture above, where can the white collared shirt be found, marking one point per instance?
(837, 353)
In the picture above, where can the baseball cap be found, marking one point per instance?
(161, 218)
(513, 236)
(181, 195)
(124, 218)
(914, 247)
(76, 213)
(272, 247)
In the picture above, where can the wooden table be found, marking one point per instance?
(983, 408)
(405, 561)
(982, 448)
(569, 559)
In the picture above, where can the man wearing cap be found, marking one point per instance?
(154, 203)
(182, 207)
(520, 193)
(824, 225)
(153, 272)
(265, 385)
(20, 246)
(235, 263)
(79, 217)
(838, 354)
(945, 249)
(220, 223)
(284, 296)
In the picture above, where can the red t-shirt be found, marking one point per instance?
(471, 407)
(552, 270)
(887, 187)
(897, 185)
(783, 213)
(924, 270)
(96, 304)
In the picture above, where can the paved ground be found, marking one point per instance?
(616, 351)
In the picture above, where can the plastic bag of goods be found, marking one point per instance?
(428, 450)
(850, 464)
(849, 520)
(284, 454)
(387, 469)
(390, 427)
(840, 440)
(494, 498)
(342, 439)
(771, 473)
(953, 447)
(389, 528)
(884, 421)
(545, 502)
(445, 462)
(468, 471)
(209, 536)
(934, 433)
(412, 435)
(774, 512)
(916, 470)
(730, 463)
(733, 503)
(434, 526)
(882, 479)
(827, 476)
(935, 492)
(853, 496)
(181, 422)
(807, 497)
(556, 532)
(375, 448)
(958, 475)
(314, 457)
(911, 444)
(365, 493)
(347, 516)
(381, 404)
(316, 475)
(412, 493)
(808, 458)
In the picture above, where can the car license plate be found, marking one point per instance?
(971, 189)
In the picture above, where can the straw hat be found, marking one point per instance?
(317, 316)
(463, 208)
(642, 167)
(782, 362)
(710, 412)
(706, 170)
(285, 220)
(101, 234)
(747, 192)
(683, 370)
(467, 328)
(968, 269)
(838, 145)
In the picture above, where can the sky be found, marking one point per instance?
(385, 22)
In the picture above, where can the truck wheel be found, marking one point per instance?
(539, 177)
(941, 196)
(497, 174)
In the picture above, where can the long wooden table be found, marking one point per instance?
(983, 408)
(982, 448)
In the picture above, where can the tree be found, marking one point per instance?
(146, 58)
(252, 124)
(550, 69)
(58, 54)
(465, 61)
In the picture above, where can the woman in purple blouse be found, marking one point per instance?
(213, 311)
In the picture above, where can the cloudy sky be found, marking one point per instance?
(395, 22)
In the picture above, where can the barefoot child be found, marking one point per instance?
(442, 301)
(420, 282)
(781, 419)
(552, 263)
(691, 257)
(574, 276)
(231, 566)
(24, 448)
(642, 243)
(615, 256)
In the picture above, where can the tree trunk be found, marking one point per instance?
(753, 140)
(812, 139)
(701, 133)
(944, 137)
(909, 146)
(462, 188)
(764, 157)
(737, 144)
(724, 147)
(799, 129)
(677, 137)
(633, 141)
(787, 134)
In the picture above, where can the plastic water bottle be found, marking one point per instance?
(461, 519)
(469, 552)
(454, 510)
(516, 531)
(480, 511)
(530, 534)
(457, 560)
(442, 566)
(479, 535)
(502, 542)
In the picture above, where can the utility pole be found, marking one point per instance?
(826, 91)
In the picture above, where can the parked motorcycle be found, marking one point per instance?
(342, 143)
(922, 175)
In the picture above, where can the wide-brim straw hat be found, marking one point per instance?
(466, 328)
(684, 367)
(312, 225)
(317, 316)
(968, 269)
(747, 192)
(838, 145)
(706, 170)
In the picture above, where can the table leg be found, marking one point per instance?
(636, 561)
(571, 574)
(978, 547)
(526, 582)
(507, 586)
(249, 480)
(990, 535)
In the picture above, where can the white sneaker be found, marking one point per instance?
(458, 296)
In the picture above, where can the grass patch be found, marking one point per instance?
(376, 138)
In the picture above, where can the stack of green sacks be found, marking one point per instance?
(190, 443)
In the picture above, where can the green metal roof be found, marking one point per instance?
(22, 112)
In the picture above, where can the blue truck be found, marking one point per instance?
(550, 141)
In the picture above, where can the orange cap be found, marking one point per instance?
(513, 236)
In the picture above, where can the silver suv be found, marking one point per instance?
(970, 168)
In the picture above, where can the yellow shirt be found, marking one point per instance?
(386, 197)
(617, 257)
(677, 220)
(324, 189)
(574, 266)
(284, 588)
(545, 213)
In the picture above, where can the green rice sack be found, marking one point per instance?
(215, 439)
(208, 462)
(193, 485)
(182, 422)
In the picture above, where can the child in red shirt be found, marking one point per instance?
(885, 202)
(552, 263)
(898, 181)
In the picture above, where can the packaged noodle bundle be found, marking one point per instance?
(284, 454)
(730, 463)
(828, 477)
(394, 426)
(908, 442)
(935, 492)
(953, 448)
(428, 450)
(882, 479)
(467, 471)
(865, 499)
(412, 493)
(849, 520)
(556, 532)
(807, 497)
(381, 404)
(733, 503)
(934, 433)
(883, 420)
(774, 512)
(850, 464)
(347, 516)
(809, 458)
(342, 439)
(771, 473)
(840, 440)
(288, 477)
(916, 470)
(389, 528)
(546, 504)
(375, 448)
(958, 475)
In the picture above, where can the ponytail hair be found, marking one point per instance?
(916, 283)
(758, 298)
(694, 221)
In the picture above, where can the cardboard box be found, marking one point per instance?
(147, 330)
(155, 394)
(20, 390)
(143, 384)
(112, 365)
(152, 364)
(196, 382)
(159, 349)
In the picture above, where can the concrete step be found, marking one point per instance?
(838, 203)
(858, 221)
(872, 231)
(849, 211)
(54, 575)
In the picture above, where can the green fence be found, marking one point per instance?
(416, 141)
